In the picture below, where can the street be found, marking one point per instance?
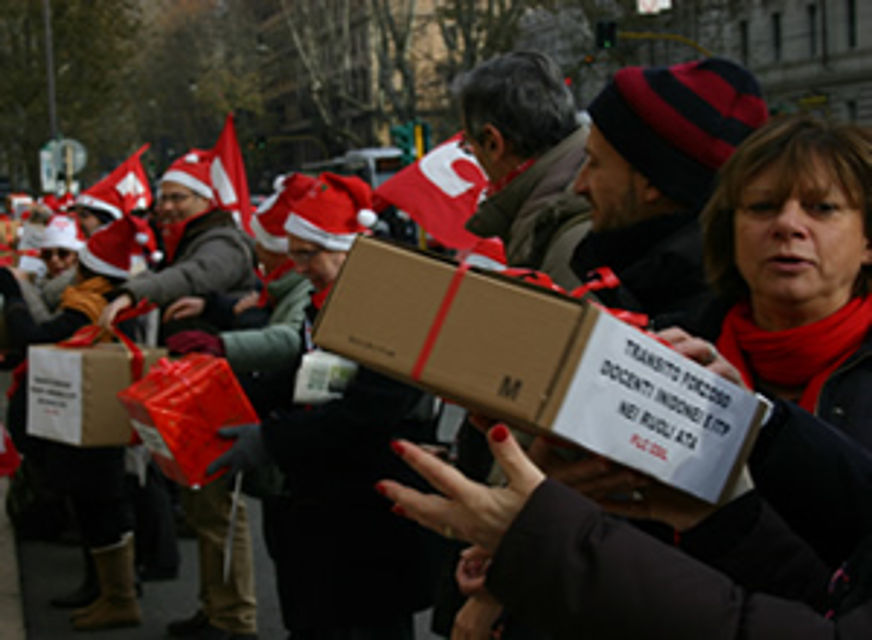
(49, 569)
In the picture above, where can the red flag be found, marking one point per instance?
(440, 192)
(123, 190)
(228, 176)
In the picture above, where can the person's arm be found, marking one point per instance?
(21, 325)
(598, 577)
(817, 479)
(371, 408)
(747, 541)
(563, 566)
(275, 346)
(216, 266)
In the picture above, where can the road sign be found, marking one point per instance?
(48, 172)
(67, 150)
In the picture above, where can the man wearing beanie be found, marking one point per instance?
(658, 137)
(206, 253)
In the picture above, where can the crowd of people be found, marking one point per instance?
(746, 242)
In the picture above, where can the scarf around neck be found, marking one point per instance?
(87, 297)
(803, 357)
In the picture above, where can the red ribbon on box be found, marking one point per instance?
(91, 334)
(179, 406)
(605, 279)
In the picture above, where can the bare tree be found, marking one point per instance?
(323, 37)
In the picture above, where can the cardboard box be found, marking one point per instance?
(71, 393)
(541, 361)
(177, 409)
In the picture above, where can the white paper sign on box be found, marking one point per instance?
(54, 399)
(638, 402)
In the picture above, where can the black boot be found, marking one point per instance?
(85, 593)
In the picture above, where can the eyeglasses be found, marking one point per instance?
(175, 198)
(60, 252)
(304, 256)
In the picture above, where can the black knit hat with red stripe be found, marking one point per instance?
(677, 125)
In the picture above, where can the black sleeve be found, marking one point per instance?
(568, 569)
(25, 331)
(8, 284)
(817, 479)
(747, 541)
(371, 408)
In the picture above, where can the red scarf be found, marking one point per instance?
(495, 187)
(265, 298)
(802, 357)
(320, 297)
(172, 233)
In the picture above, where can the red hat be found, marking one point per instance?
(332, 212)
(268, 223)
(192, 170)
(122, 191)
(109, 250)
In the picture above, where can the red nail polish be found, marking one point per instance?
(499, 433)
(398, 447)
(397, 509)
(381, 488)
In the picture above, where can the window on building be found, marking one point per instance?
(776, 36)
(851, 22)
(744, 46)
(851, 108)
(811, 12)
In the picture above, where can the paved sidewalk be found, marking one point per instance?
(11, 617)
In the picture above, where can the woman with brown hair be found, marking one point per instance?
(787, 241)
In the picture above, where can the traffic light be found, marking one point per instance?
(606, 34)
(412, 138)
(403, 137)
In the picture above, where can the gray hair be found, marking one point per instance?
(523, 95)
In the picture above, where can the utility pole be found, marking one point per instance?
(49, 69)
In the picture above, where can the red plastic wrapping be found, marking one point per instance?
(177, 409)
(9, 458)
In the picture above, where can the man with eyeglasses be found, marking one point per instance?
(205, 253)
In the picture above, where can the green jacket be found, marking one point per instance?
(538, 216)
(277, 344)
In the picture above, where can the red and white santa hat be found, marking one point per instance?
(109, 250)
(124, 189)
(192, 170)
(62, 232)
(332, 212)
(268, 222)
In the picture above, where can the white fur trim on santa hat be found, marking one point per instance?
(302, 228)
(276, 244)
(93, 203)
(100, 266)
(61, 234)
(187, 180)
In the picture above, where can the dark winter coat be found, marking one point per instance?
(659, 264)
(350, 560)
(567, 568)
